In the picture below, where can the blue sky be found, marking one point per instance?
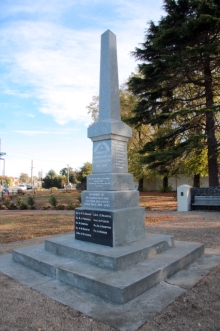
(49, 71)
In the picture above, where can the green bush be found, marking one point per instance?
(70, 206)
(13, 206)
(169, 188)
(53, 200)
(31, 202)
(79, 199)
(23, 206)
(7, 202)
(19, 201)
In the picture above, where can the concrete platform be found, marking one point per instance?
(116, 274)
(127, 317)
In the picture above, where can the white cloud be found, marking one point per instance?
(33, 132)
(16, 93)
(60, 64)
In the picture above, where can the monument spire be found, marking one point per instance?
(110, 214)
(109, 122)
(109, 103)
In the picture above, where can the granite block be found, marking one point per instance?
(110, 200)
(110, 182)
(110, 156)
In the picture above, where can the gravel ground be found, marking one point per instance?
(199, 309)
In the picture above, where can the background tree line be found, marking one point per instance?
(52, 179)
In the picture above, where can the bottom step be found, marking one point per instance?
(119, 286)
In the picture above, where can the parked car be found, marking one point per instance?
(5, 191)
(22, 188)
(29, 186)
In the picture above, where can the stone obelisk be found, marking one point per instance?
(110, 214)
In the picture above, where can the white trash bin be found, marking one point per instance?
(184, 197)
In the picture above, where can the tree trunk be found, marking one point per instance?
(196, 180)
(210, 128)
(165, 183)
(141, 185)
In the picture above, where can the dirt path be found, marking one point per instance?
(199, 309)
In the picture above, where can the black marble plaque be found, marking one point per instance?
(94, 226)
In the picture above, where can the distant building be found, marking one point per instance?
(156, 183)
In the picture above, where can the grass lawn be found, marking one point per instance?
(25, 225)
(19, 225)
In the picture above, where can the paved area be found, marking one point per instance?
(127, 317)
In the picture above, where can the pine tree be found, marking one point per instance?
(180, 83)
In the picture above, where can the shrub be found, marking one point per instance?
(79, 199)
(53, 201)
(169, 188)
(13, 206)
(60, 207)
(7, 202)
(31, 202)
(70, 206)
(19, 201)
(23, 206)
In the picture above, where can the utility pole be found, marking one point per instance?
(1, 154)
(32, 167)
(68, 181)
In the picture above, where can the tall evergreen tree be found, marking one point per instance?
(180, 82)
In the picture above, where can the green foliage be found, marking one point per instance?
(24, 178)
(19, 201)
(72, 174)
(85, 170)
(13, 206)
(79, 199)
(166, 189)
(23, 206)
(52, 180)
(8, 181)
(93, 108)
(31, 201)
(53, 200)
(7, 202)
(70, 205)
(179, 86)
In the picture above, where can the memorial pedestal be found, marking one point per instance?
(110, 228)
(110, 255)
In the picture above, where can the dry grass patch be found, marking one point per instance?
(20, 226)
(158, 201)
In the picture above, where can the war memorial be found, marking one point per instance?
(110, 268)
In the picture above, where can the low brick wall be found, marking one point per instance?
(205, 191)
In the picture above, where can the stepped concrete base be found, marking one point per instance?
(116, 274)
(114, 258)
(127, 317)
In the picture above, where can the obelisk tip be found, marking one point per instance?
(108, 32)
